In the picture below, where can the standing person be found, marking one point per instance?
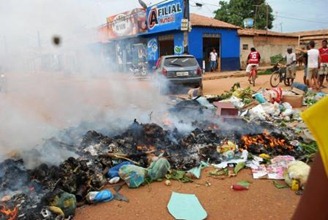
(323, 51)
(290, 65)
(313, 66)
(253, 58)
(305, 60)
(213, 60)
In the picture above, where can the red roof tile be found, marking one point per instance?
(252, 32)
(203, 21)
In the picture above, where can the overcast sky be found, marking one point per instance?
(33, 21)
(291, 15)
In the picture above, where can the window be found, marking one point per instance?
(180, 61)
(245, 46)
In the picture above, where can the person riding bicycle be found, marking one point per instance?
(253, 58)
(290, 65)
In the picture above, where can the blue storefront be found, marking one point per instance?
(168, 28)
(226, 41)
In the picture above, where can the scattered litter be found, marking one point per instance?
(133, 175)
(186, 206)
(158, 169)
(239, 129)
(196, 171)
(275, 170)
(167, 182)
(113, 172)
(114, 180)
(100, 196)
(280, 185)
(178, 175)
(297, 174)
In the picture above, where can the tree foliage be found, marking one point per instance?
(235, 11)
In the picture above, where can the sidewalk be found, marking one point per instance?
(228, 74)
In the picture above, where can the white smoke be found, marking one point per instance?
(53, 87)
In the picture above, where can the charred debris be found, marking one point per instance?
(25, 192)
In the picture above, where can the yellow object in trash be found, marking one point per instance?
(265, 156)
(56, 210)
(295, 185)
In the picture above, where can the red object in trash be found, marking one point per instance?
(238, 187)
(225, 109)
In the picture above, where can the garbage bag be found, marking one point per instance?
(133, 175)
(100, 196)
(113, 172)
(63, 201)
(158, 169)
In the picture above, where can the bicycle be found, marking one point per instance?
(279, 75)
(253, 75)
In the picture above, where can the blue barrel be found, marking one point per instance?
(300, 86)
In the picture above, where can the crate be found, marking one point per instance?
(296, 101)
(225, 109)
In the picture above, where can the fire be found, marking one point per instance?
(10, 214)
(266, 140)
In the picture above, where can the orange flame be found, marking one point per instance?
(10, 214)
(266, 140)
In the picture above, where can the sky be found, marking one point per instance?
(291, 15)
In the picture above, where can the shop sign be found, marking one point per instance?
(166, 16)
(128, 23)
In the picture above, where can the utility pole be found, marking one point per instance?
(267, 16)
(186, 15)
(280, 26)
(256, 9)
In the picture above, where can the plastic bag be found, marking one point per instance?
(113, 172)
(133, 175)
(158, 169)
(65, 202)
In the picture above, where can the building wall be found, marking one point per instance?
(268, 46)
(229, 44)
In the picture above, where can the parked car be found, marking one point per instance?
(180, 69)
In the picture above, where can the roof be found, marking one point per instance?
(253, 32)
(311, 33)
(203, 21)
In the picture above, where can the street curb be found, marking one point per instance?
(224, 76)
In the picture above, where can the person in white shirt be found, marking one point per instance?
(313, 66)
(290, 65)
(213, 60)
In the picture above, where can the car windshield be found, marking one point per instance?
(180, 61)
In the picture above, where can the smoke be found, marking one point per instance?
(51, 87)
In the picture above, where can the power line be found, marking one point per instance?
(202, 3)
(301, 19)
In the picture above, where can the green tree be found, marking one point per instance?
(235, 11)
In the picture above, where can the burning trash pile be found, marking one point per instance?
(141, 154)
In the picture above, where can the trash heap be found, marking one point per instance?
(254, 136)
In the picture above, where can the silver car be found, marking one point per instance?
(180, 69)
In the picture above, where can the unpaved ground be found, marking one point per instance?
(261, 201)
(59, 101)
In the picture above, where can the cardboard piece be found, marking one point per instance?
(295, 99)
(186, 206)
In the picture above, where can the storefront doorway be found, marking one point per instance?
(211, 41)
(166, 45)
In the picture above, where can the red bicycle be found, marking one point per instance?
(253, 74)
